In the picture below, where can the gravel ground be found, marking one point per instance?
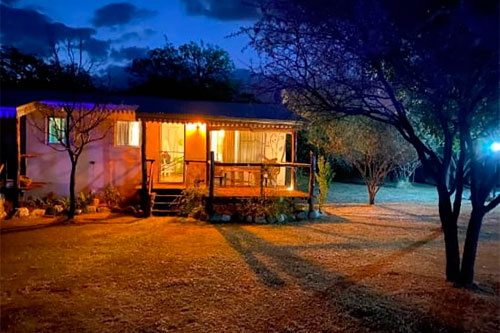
(361, 269)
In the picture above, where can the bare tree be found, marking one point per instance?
(70, 127)
(405, 173)
(73, 124)
(390, 61)
(372, 148)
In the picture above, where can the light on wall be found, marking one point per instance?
(196, 127)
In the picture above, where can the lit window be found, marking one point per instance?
(57, 128)
(128, 133)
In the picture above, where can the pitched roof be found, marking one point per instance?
(159, 106)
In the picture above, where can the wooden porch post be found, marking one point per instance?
(293, 181)
(17, 175)
(312, 170)
(145, 197)
(210, 207)
(207, 174)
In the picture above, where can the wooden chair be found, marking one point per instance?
(271, 172)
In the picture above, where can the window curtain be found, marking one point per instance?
(127, 133)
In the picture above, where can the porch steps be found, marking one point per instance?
(166, 202)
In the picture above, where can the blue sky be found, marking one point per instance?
(119, 30)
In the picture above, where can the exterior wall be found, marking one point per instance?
(101, 163)
(196, 150)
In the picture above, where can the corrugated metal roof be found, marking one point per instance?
(157, 105)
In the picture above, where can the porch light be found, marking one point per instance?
(495, 147)
(196, 126)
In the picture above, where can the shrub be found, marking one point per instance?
(324, 177)
(191, 203)
(84, 200)
(112, 196)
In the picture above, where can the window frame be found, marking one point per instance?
(49, 135)
(117, 144)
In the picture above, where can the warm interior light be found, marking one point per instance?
(495, 146)
(135, 131)
(290, 188)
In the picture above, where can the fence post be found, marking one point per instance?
(261, 181)
(312, 170)
(210, 201)
(293, 180)
(145, 196)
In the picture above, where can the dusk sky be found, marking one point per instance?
(117, 31)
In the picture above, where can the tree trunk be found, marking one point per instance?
(72, 195)
(372, 191)
(470, 248)
(449, 225)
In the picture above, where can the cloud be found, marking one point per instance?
(32, 32)
(120, 13)
(134, 35)
(222, 10)
(128, 53)
(9, 2)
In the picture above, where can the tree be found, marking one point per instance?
(25, 71)
(390, 61)
(324, 177)
(196, 71)
(373, 148)
(73, 125)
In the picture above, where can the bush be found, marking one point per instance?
(324, 177)
(191, 203)
(83, 200)
(112, 196)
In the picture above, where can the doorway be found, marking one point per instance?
(172, 153)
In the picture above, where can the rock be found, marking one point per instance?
(271, 219)
(302, 215)
(37, 212)
(130, 210)
(314, 214)
(291, 217)
(217, 218)
(248, 219)
(103, 209)
(260, 220)
(116, 209)
(225, 218)
(50, 211)
(281, 218)
(78, 211)
(91, 209)
(59, 209)
(22, 212)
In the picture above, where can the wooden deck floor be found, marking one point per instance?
(241, 191)
(250, 191)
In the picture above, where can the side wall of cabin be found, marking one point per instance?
(101, 163)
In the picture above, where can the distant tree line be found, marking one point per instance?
(196, 71)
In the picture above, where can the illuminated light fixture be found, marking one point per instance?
(196, 126)
(495, 146)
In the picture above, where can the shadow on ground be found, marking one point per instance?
(358, 302)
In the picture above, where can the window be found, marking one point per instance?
(128, 133)
(57, 128)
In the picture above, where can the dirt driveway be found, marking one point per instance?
(361, 269)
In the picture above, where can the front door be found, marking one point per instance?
(172, 153)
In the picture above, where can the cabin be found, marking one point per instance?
(162, 146)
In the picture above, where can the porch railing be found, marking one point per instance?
(264, 174)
